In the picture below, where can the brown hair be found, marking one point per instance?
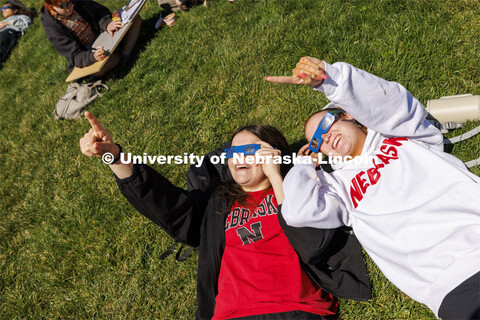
(21, 9)
(49, 4)
(272, 136)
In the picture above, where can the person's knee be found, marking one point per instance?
(112, 62)
(137, 21)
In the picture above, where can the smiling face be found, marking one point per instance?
(249, 176)
(8, 12)
(344, 138)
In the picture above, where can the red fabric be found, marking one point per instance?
(260, 271)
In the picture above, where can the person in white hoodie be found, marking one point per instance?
(414, 208)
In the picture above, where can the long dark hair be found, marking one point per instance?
(21, 9)
(272, 136)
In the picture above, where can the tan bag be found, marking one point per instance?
(72, 104)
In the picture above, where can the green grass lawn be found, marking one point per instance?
(71, 247)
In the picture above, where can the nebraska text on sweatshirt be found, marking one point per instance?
(414, 208)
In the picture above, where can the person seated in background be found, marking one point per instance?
(72, 27)
(17, 19)
(186, 4)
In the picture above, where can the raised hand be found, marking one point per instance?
(267, 152)
(97, 141)
(306, 152)
(308, 70)
(271, 169)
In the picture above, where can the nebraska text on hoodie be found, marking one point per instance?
(414, 208)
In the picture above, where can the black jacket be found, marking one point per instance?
(77, 55)
(333, 258)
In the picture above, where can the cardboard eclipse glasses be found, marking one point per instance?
(246, 149)
(327, 121)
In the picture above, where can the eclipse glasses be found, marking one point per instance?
(328, 120)
(246, 149)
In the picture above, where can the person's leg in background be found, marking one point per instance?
(130, 39)
(8, 39)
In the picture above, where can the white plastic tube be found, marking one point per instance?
(457, 109)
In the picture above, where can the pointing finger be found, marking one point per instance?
(281, 79)
(96, 126)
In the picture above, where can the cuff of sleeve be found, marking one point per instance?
(136, 176)
(105, 22)
(91, 58)
(328, 84)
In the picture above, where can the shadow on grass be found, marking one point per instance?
(147, 33)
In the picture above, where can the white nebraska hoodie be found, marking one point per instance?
(414, 208)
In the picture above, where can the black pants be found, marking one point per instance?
(8, 38)
(463, 302)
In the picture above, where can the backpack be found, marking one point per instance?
(72, 104)
(200, 178)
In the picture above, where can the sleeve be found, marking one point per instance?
(179, 212)
(71, 50)
(310, 201)
(102, 15)
(332, 257)
(68, 47)
(21, 23)
(383, 106)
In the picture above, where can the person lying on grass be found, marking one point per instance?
(73, 26)
(246, 266)
(17, 19)
(414, 208)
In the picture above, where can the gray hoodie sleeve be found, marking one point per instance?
(310, 201)
(383, 106)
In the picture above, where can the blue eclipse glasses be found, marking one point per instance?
(5, 7)
(246, 149)
(327, 121)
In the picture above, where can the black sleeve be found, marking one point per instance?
(332, 257)
(102, 14)
(69, 48)
(179, 212)
(65, 43)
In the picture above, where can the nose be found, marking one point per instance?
(326, 137)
